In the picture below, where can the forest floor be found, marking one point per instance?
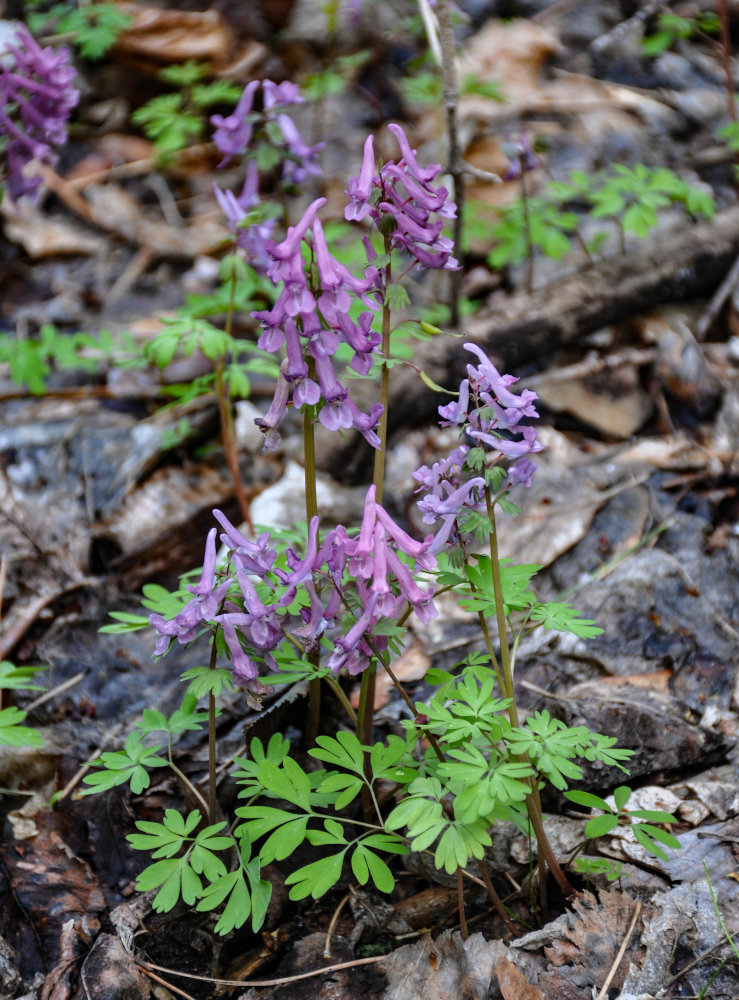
(633, 512)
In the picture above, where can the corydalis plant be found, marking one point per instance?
(335, 594)
(489, 414)
(36, 99)
(339, 604)
(404, 204)
(309, 320)
(265, 138)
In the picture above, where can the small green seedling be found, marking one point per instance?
(12, 732)
(648, 834)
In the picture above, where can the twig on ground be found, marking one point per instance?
(720, 296)
(169, 986)
(332, 925)
(59, 689)
(621, 952)
(262, 982)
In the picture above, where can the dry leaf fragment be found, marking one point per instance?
(514, 985)
(173, 36)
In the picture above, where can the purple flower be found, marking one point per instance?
(285, 254)
(336, 280)
(283, 94)
(522, 157)
(36, 100)
(405, 203)
(488, 379)
(233, 133)
(202, 609)
(521, 472)
(274, 416)
(435, 507)
(457, 411)
(409, 157)
(360, 188)
(508, 447)
(256, 556)
(371, 557)
(302, 159)
(252, 239)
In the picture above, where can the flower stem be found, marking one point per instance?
(460, 904)
(212, 757)
(311, 510)
(366, 709)
(378, 476)
(533, 802)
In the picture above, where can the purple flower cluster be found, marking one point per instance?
(254, 626)
(234, 132)
(233, 137)
(372, 556)
(36, 100)
(404, 204)
(252, 239)
(310, 320)
(522, 157)
(491, 415)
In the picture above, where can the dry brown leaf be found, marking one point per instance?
(114, 210)
(43, 236)
(513, 52)
(611, 402)
(582, 957)
(443, 968)
(513, 984)
(658, 680)
(174, 36)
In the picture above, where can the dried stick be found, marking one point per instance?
(262, 982)
(621, 951)
(450, 83)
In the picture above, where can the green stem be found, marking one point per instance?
(311, 511)
(460, 904)
(197, 794)
(378, 476)
(495, 898)
(342, 699)
(366, 709)
(212, 757)
(533, 802)
(401, 691)
(484, 626)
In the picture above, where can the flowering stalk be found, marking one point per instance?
(36, 99)
(490, 414)
(533, 801)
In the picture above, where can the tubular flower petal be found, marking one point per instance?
(360, 188)
(233, 132)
